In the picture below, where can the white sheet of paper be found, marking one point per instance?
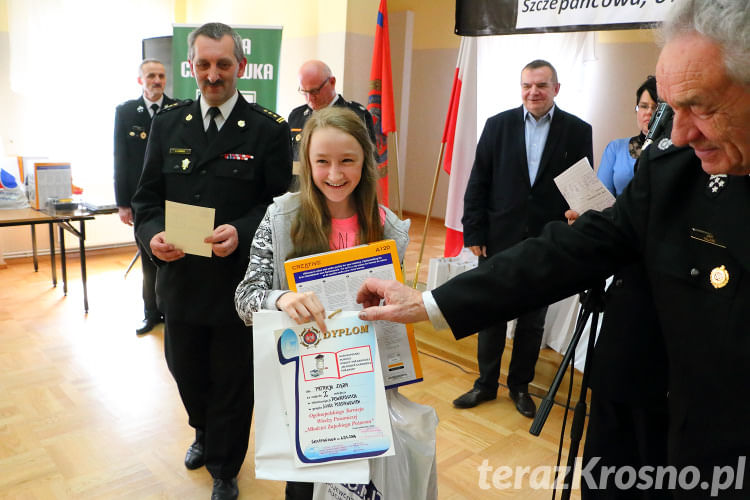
(186, 226)
(582, 189)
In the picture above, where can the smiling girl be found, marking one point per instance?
(337, 207)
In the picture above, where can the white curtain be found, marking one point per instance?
(501, 58)
(71, 62)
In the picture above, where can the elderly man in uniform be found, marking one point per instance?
(233, 156)
(318, 85)
(685, 215)
(132, 125)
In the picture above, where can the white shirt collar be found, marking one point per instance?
(333, 101)
(224, 109)
(158, 102)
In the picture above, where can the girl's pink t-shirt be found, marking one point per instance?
(344, 231)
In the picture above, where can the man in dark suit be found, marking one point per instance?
(225, 153)
(318, 85)
(132, 125)
(684, 215)
(510, 196)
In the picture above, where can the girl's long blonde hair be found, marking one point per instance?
(312, 227)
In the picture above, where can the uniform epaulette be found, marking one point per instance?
(663, 146)
(268, 113)
(354, 105)
(175, 105)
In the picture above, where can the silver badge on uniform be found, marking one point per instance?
(716, 184)
(139, 109)
(664, 143)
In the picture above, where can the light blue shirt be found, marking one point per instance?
(536, 137)
(616, 167)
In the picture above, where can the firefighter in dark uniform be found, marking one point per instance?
(685, 217)
(227, 154)
(299, 115)
(132, 125)
(318, 85)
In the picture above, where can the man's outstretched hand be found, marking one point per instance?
(402, 304)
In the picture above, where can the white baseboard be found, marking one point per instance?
(73, 250)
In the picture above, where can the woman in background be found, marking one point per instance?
(618, 160)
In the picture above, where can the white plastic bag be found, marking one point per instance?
(274, 455)
(411, 474)
(11, 194)
(444, 268)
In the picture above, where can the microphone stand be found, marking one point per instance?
(592, 304)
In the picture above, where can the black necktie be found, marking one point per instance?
(155, 107)
(212, 131)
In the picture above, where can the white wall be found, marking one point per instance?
(57, 113)
(65, 66)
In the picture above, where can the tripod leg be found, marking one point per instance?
(579, 417)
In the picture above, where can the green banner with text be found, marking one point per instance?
(259, 83)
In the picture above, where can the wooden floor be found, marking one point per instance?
(89, 410)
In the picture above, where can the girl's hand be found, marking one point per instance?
(303, 308)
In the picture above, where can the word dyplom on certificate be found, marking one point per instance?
(335, 278)
(334, 392)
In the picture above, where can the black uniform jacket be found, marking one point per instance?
(691, 232)
(132, 126)
(238, 174)
(501, 207)
(630, 362)
(299, 115)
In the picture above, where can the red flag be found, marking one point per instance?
(380, 98)
(460, 139)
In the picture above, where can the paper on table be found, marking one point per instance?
(582, 189)
(186, 226)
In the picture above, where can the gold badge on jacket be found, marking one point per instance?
(719, 277)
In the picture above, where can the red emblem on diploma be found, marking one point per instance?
(310, 337)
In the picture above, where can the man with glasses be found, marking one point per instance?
(318, 85)
(510, 196)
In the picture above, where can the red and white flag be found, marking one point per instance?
(460, 139)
